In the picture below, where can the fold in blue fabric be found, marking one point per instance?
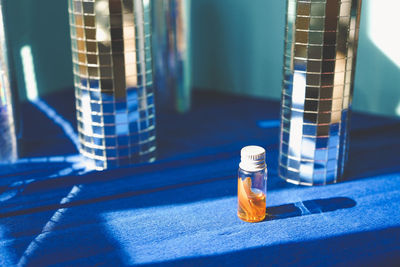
(181, 210)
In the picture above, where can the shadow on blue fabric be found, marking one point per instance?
(308, 207)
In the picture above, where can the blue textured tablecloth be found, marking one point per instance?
(181, 210)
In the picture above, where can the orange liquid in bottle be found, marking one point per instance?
(251, 202)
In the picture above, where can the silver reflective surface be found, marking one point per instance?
(8, 142)
(319, 61)
(112, 61)
(171, 39)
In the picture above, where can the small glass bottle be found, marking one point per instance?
(252, 184)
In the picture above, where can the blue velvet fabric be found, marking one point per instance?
(181, 210)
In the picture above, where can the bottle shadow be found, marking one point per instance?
(308, 207)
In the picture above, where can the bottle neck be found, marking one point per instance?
(252, 167)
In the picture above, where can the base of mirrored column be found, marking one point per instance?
(101, 164)
(8, 142)
(297, 178)
(296, 182)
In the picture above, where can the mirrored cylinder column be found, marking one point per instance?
(320, 54)
(8, 140)
(172, 50)
(112, 60)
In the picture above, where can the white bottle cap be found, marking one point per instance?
(252, 158)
